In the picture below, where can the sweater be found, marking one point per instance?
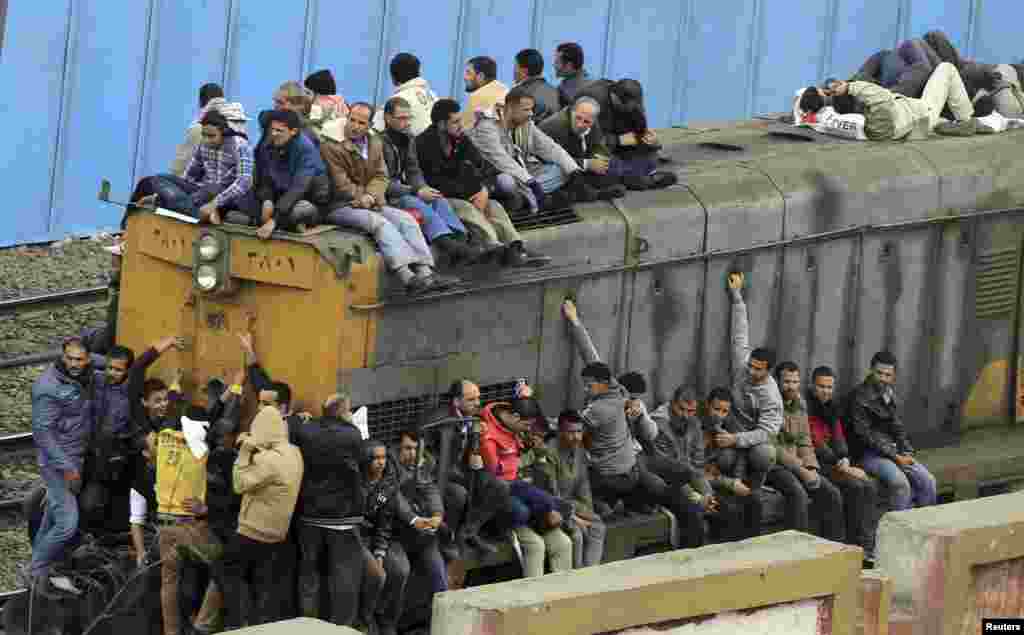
(758, 407)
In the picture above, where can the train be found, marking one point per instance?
(847, 248)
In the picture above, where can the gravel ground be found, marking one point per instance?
(14, 552)
(61, 266)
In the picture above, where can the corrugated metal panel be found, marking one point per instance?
(996, 290)
(105, 89)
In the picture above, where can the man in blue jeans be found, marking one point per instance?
(408, 190)
(61, 428)
(879, 437)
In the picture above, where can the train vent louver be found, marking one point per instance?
(546, 218)
(387, 419)
(996, 288)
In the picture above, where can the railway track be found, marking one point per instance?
(74, 297)
(10, 444)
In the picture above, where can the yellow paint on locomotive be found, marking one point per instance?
(987, 400)
(285, 292)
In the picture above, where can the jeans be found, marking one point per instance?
(438, 217)
(553, 544)
(907, 487)
(823, 502)
(247, 567)
(467, 514)
(860, 501)
(495, 225)
(425, 559)
(674, 473)
(178, 194)
(738, 517)
(343, 550)
(643, 487)
(184, 533)
(397, 233)
(59, 525)
(392, 596)
(588, 544)
(633, 166)
(548, 175)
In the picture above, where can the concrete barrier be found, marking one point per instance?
(952, 565)
(298, 626)
(796, 582)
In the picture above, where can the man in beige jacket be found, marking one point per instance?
(268, 474)
(484, 90)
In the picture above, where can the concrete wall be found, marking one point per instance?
(96, 89)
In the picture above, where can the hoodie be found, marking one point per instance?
(501, 448)
(233, 111)
(268, 475)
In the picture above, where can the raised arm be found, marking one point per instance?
(584, 344)
(740, 325)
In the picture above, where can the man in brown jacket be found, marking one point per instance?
(797, 472)
(268, 474)
(360, 178)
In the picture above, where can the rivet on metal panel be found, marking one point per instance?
(812, 263)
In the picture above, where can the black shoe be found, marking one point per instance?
(418, 286)
(518, 256)
(614, 191)
(451, 247)
(663, 179)
(586, 194)
(449, 551)
(637, 183)
(481, 546)
(557, 200)
(869, 563)
(440, 281)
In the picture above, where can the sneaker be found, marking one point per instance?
(982, 127)
(957, 128)
(516, 255)
(64, 584)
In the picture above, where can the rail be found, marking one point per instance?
(74, 297)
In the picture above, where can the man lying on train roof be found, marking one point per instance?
(523, 162)
(892, 117)
(452, 165)
(407, 190)
(633, 145)
(576, 129)
(360, 180)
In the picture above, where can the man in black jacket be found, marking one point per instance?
(420, 513)
(409, 191)
(632, 144)
(529, 74)
(577, 130)
(388, 568)
(879, 439)
(452, 165)
(329, 510)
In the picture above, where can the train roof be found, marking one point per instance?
(755, 182)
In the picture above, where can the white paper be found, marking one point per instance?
(359, 418)
(175, 215)
(195, 436)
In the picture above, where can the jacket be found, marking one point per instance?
(581, 148)
(717, 477)
(604, 416)
(285, 175)
(796, 448)
(331, 450)
(500, 448)
(889, 116)
(268, 475)
(421, 100)
(757, 406)
(571, 480)
(827, 431)
(229, 167)
(62, 417)
(876, 425)
(223, 504)
(380, 502)
(457, 435)
(405, 175)
(353, 176)
(420, 496)
(514, 151)
(233, 111)
(612, 123)
(681, 440)
(571, 85)
(452, 168)
(483, 100)
(545, 96)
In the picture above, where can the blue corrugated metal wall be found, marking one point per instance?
(105, 88)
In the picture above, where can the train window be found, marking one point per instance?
(388, 418)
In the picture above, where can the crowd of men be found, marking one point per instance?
(296, 514)
(420, 170)
(924, 86)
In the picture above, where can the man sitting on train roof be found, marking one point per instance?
(633, 146)
(890, 116)
(415, 90)
(524, 163)
(452, 165)
(879, 441)
(218, 177)
(529, 74)
(484, 89)
(211, 98)
(568, 63)
(408, 190)
(295, 97)
(360, 179)
(329, 109)
(576, 129)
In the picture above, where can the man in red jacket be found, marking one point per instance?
(860, 493)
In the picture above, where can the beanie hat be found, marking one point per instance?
(598, 371)
(322, 83)
(634, 382)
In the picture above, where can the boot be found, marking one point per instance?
(614, 191)
(661, 180)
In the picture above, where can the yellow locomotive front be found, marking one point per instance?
(208, 284)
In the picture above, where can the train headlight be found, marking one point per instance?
(208, 247)
(206, 277)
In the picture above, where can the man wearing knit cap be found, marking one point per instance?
(415, 90)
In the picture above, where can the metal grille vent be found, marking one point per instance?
(388, 418)
(996, 293)
(546, 218)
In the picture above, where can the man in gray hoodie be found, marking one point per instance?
(523, 160)
(614, 470)
(757, 401)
